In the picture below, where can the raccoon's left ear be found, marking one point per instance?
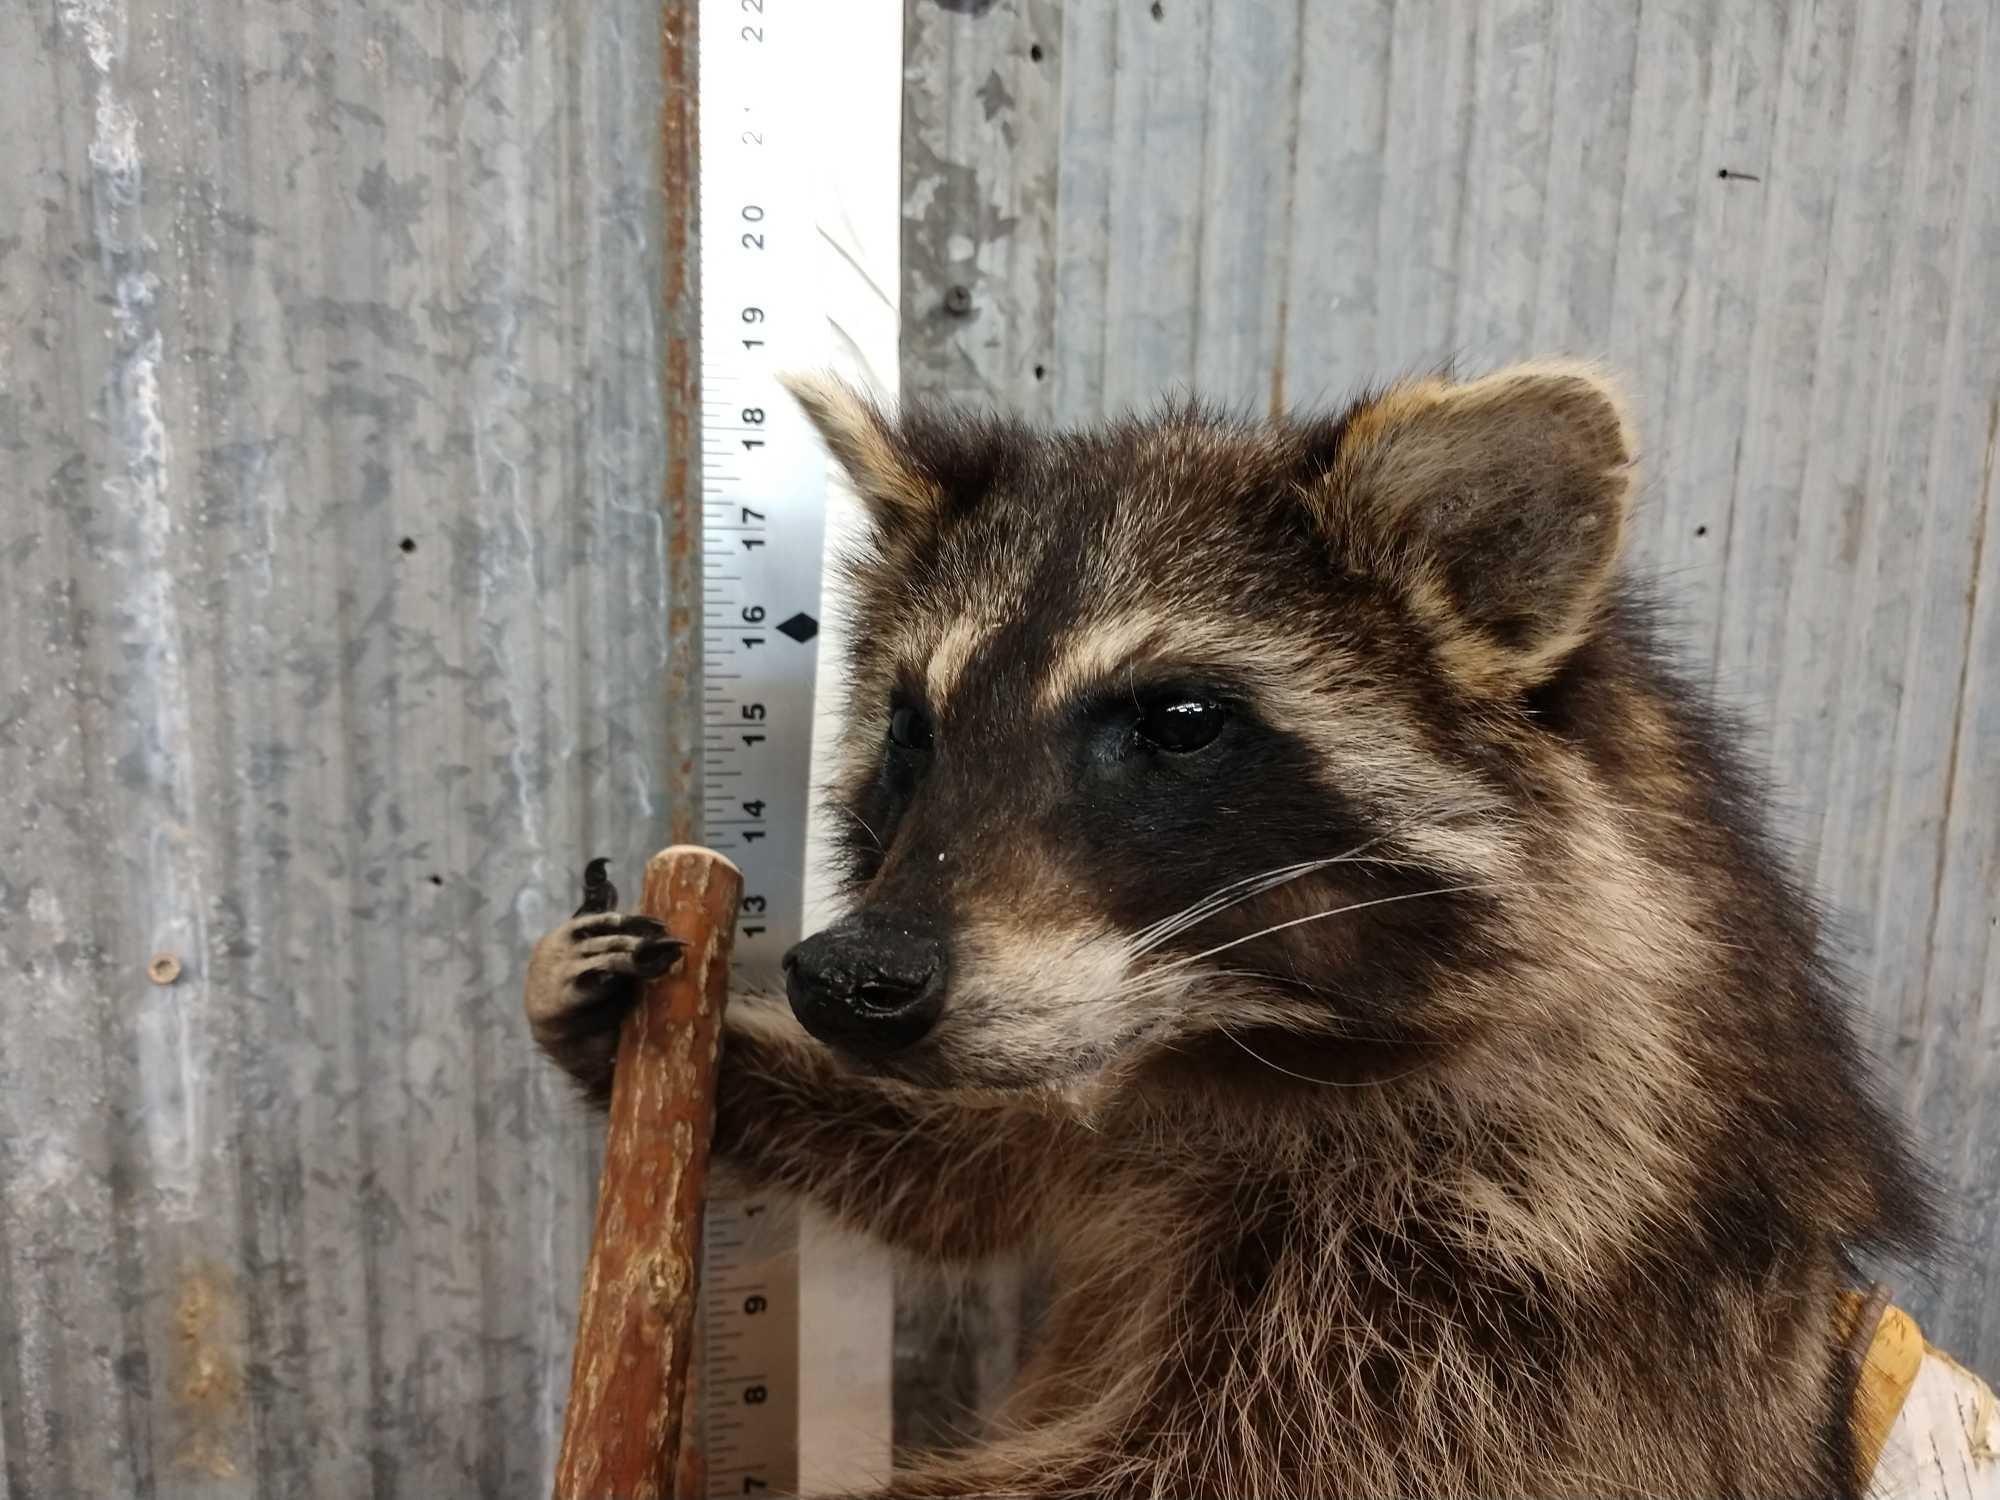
(889, 480)
(1494, 509)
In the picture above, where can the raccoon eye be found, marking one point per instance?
(1181, 725)
(910, 728)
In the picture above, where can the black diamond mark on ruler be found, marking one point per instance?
(800, 628)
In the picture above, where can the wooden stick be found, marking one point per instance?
(621, 1434)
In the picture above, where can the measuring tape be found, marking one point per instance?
(763, 518)
(793, 181)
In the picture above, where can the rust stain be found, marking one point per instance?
(208, 1371)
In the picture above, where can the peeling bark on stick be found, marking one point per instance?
(628, 1382)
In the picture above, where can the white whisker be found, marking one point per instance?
(872, 834)
(1239, 891)
(1218, 902)
(1331, 1083)
(1337, 911)
(1248, 887)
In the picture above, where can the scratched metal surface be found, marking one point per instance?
(334, 617)
(1276, 202)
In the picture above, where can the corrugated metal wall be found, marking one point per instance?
(1782, 220)
(333, 582)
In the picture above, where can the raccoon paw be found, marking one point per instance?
(582, 979)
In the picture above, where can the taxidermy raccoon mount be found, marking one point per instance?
(1289, 890)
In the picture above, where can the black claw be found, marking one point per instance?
(656, 957)
(599, 894)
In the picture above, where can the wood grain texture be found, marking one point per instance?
(1945, 1441)
(1892, 1350)
(621, 1438)
(1925, 1427)
(1275, 203)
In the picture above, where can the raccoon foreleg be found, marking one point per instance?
(946, 1175)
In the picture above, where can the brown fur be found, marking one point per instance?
(1495, 1129)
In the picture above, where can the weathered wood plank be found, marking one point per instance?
(1945, 1444)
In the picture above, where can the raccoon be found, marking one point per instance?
(1291, 891)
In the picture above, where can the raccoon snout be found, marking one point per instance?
(871, 984)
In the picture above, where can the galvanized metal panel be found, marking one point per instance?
(1781, 221)
(337, 629)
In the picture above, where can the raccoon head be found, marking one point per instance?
(1197, 738)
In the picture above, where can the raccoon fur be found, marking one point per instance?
(1290, 891)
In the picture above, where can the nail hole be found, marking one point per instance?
(437, 880)
(1701, 531)
(1035, 53)
(408, 544)
(1040, 372)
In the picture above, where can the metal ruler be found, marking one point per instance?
(764, 491)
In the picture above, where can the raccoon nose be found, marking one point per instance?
(871, 984)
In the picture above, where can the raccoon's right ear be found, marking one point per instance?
(888, 478)
(1493, 511)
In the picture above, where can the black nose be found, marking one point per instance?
(872, 983)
